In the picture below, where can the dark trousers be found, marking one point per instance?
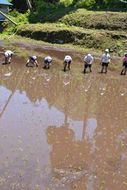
(67, 65)
(87, 65)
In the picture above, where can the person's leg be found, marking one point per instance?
(125, 68)
(6, 60)
(34, 62)
(85, 67)
(31, 62)
(123, 71)
(9, 60)
(44, 64)
(102, 69)
(106, 67)
(69, 65)
(48, 65)
(65, 66)
(90, 68)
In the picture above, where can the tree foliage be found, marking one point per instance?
(100, 4)
(40, 5)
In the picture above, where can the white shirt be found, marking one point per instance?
(88, 59)
(48, 58)
(8, 53)
(106, 58)
(67, 58)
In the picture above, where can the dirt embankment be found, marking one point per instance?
(97, 30)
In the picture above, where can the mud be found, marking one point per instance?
(61, 131)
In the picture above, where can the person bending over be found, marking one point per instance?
(32, 60)
(67, 62)
(8, 56)
(124, 70)
(88, 60)
(47, 62)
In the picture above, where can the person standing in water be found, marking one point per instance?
(88, 60)
(67, 62)
(47, 62)
(124, 70)
(8, 56)
(32, 60)
(105, 61)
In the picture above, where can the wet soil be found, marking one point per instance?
(61, 131)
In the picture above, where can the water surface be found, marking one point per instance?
(61, 131)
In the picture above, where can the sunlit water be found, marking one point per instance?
(60, 131)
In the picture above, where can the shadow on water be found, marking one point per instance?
(60, 130)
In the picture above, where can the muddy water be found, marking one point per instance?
(62, 131)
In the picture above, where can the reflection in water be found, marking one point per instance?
(69, 158)
(58, 132)
(90, 131)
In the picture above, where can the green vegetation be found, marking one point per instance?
(60, 33)
(44, 9)
(20, 18)
(96, 20)
(63, 22)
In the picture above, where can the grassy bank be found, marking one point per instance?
(96, 20)
(61, 34)
(87, 19)
(87, 29)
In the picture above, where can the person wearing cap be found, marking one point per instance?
(88, 60)
(67, 62)
(8, 56)
(124, 70)
(47, 62)
(32, 60)
(105, 60)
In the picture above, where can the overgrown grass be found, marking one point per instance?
(60, 33)
(96, 20)
(87, 29)
(83, 18)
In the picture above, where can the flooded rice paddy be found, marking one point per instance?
(61, 131)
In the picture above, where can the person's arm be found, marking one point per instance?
(36, 62)
(91, 61)
(109, 58)
(28, 60)
(124, 59)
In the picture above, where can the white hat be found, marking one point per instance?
(34, 57)
(125, 53)
(107, 50)
(89, 55)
